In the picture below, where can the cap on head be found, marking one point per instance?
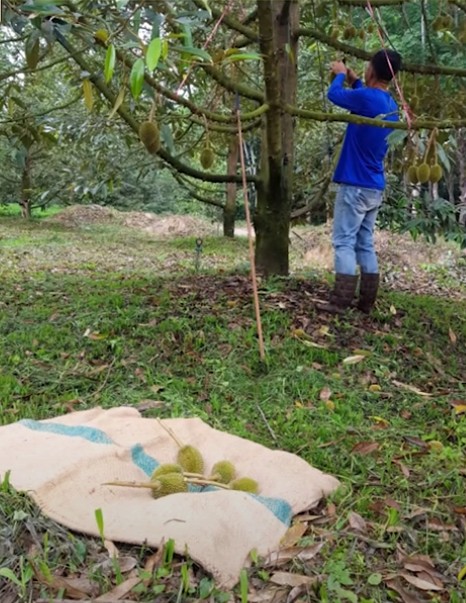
(385, 64)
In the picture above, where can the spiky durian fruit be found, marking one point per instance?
(412, 174)
(169, 483)
(245, 484)
(436, 173)
(223, 472)
(166, 468)
(207, 157)
(150, 136)
(423, 173)
(190, 459)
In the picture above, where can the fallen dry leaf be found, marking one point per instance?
(74, 588)
(267, 595)
(354, 359)
(149, 404)
(405, 595)
(404, 470)
(293, 535)
(411, 388)
(325, 394)
(452, 336)
(416, 442)
(119, 591)
(127, 563)
(289, 579)
(365, 448)
(356, 522)
(459, 406)
(112, 549)
(151, 563)
(420, 583)
(283, 556)
(436, 525)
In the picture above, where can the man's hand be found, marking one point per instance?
(338, 67)
(351, 76)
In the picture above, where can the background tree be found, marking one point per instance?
(180, 64)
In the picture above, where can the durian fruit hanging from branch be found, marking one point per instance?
(207, 155)
(149, 133)
(427, 169)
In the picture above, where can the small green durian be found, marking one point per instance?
(169, 483)
(245, 484)
(423, 173)
(190, 459)
(436, 173)
(166, 468)
(223, 472)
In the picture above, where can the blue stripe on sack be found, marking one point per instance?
(278, 506)
(88, 433)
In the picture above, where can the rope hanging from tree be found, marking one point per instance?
(406, 108)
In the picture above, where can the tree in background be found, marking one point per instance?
(189, 69)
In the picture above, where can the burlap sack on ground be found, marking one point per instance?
(64, 462)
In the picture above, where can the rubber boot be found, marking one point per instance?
(368, 291)
(342, 295)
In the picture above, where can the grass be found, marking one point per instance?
(109, 317)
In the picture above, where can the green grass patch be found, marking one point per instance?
(385, 424)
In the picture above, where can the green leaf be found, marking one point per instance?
(99, 518)
(9, 575)
(153, 53)
(443, 158)
(374, 579)
(196, 52)
(32, 50)
(136, 78)
(88, 94)
(118, 102)
(244, 586)
(110, 57)
(166, 134)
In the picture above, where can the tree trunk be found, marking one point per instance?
(461, 154)
(25, 201)
(278, 19)
(229, 212)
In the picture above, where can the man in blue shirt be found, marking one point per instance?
(360, 177)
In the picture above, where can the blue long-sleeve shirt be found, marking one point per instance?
(361, 161)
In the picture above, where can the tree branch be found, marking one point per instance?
(181, 100)
(232, 86)
(418, 124)
(228, 129)
(364, 55)
(195, 195)
(230, 21)
(57, 108)
(26, 70)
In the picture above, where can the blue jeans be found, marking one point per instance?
(354, 217)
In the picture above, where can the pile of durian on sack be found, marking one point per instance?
(188, 468)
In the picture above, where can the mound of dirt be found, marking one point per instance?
(80, 215)
(152, 224)
(167, 226)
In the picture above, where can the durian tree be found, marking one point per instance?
(183, 72)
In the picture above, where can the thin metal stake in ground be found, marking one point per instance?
(251, 244)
